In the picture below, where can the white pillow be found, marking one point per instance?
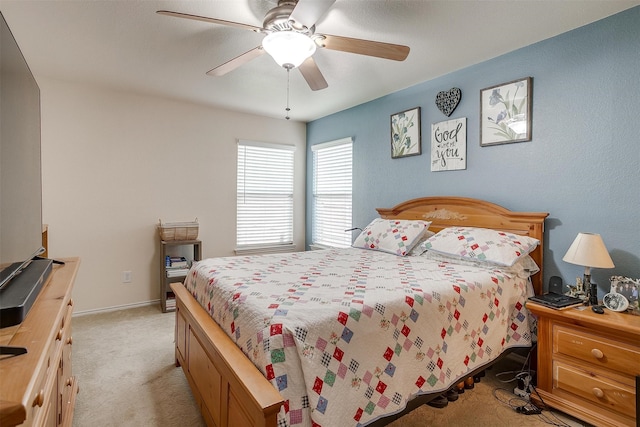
(524, 267)
(482, 244)
(395, 236)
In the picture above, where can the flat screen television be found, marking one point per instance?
(20, 168)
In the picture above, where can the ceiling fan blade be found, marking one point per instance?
(234, 63)
(210, 20)
(395, 52)
(312, 74)
(307, 12)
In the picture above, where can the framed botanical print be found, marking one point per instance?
(505, 112)
(405, 134)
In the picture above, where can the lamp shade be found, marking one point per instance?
(289, 48)
(588, 250)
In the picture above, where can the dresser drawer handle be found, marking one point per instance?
(39, 399)
(598, 392)
(59, 335)
(598, 354)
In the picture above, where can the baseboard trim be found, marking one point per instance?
(115, 308)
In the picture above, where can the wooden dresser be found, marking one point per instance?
(38, 388)
(588, 364)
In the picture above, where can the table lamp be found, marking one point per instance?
(589, 250)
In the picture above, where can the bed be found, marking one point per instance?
(260, 336)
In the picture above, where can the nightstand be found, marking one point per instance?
(192, 249)
(588, 364)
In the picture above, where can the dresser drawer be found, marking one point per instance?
(598, 351)
(42, 404)
(613, 394)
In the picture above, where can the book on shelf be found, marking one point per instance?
(177, 272)
(176, 262)
(170, 301)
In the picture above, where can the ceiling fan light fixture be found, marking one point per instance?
(289, 48)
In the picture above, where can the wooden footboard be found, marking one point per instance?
(228, 388)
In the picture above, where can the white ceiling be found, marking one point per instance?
(127, 46)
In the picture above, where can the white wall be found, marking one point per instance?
(114, 163)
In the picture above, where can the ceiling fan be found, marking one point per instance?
(291, 39)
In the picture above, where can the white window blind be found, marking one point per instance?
(265, 195)
(332, 166)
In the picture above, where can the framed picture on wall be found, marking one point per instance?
(405, 134)
(505, 112)
(449, 145)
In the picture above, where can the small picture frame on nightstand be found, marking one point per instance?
(628, 288)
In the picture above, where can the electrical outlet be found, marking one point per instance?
(126, 277)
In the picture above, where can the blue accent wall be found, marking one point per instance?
(582, 164)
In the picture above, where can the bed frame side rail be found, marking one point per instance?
(226, 385)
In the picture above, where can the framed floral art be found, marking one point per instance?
(405, 134)
(505, 112)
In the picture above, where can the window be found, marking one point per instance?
(332, 193)
(265, 196)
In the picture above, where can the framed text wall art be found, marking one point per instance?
(449, 145)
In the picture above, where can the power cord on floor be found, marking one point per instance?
(556, 421)
(520, 404)
(528, 409)
(507, 398)
(524, 378)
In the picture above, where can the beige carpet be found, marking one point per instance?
(126, 370)
(124, 361)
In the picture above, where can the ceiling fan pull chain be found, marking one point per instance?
(288, 109)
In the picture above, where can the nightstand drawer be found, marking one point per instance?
(617, 394)
(599, 351)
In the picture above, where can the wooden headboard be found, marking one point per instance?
(463, 211)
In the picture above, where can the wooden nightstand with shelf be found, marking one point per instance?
(168, 275)
(588, 364)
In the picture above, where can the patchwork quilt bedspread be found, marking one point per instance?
(350, 335)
